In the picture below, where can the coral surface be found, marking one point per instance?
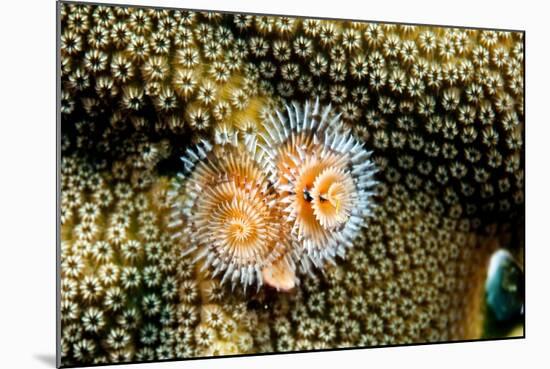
(440, 111)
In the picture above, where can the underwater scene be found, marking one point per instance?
(243, 184)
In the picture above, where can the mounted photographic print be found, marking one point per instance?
(236, 184)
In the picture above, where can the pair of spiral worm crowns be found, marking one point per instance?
(283, 200)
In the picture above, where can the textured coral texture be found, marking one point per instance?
(441, 109)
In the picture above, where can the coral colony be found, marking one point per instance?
(238, 184)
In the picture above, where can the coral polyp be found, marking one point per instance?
(230, 221)
(324, 177)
